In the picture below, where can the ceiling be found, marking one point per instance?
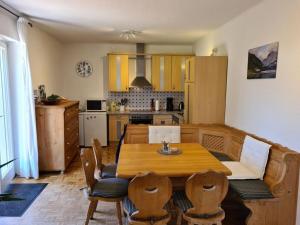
(160, 21)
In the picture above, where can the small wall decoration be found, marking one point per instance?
(262, 61)
(84, 68)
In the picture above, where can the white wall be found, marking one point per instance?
(266, 107)
(269, 108)
(75, 87)
(45, 55)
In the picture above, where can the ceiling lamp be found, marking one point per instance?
(129, 34)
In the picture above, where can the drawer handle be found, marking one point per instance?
(68, 128)
(68, 143)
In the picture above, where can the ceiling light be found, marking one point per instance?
(129, 34)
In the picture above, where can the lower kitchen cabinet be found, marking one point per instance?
(162, 120)
(116, 126)
(57, 134)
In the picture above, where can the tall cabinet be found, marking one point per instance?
(205, 89)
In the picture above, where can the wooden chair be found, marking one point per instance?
(102, 171)
(200, 205)
(147, 196)
(107, 190)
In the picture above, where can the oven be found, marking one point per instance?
(141, 119)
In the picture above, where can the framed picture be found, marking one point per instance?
(262, 61)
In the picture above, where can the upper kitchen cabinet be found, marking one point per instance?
(190, 70)
(205, 89)
(161, 73)
(118, 73)
(178, 73)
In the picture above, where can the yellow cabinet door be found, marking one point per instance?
(161, 73)
(118, 73)
(190, 70)
(178, 73)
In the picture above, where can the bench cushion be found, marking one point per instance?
(221, 156)
(110, 188)
(109, 171)
(181, 201)
(251, 189)
(255, 155)
(128, 206)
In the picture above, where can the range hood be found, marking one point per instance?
(140, 80)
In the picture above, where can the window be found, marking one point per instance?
(5, 143)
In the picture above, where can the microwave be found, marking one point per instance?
(95, 105)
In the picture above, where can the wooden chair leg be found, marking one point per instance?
(90, 211)
(119, 212)
(94, 208)
(179, 217)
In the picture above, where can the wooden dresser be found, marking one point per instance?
(58, 135)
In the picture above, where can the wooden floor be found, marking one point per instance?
(63, 203)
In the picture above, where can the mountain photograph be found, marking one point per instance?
(262, 61)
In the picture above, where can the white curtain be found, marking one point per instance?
(23, 109)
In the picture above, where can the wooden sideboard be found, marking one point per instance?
(58, 135)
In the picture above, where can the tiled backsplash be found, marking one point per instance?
(140, 99)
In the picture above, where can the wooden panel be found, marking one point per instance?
(138, 134)
(209, 105)
(136, 158)
(161, 83)
(189, 103)
(178, 73)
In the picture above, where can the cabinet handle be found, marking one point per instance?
(68, 143)
(68, 128)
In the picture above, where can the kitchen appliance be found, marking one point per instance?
(96, 105)
(181, 106)
(92, 125)
(170, 104)
(140, 81)
(141, 119)
(152, 105)
(157, 105)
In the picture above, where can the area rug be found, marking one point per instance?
(25, 195)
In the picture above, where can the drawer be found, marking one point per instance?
(162, 120)
(71, 113)
(72, 139)
(71, 126)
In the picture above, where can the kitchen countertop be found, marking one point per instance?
(161, 112)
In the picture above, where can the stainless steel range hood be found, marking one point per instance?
(140, 79)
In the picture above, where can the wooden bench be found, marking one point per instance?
(281, 177)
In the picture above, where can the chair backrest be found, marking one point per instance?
(149, 193)
(158, 134)
(97, 149)
(88, 164)
(120, 144)
(206, 191)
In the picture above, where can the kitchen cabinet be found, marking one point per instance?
(190, 70)
(178, 73)
(161, 73)
(118, 73)
(205, 89)
(116, 126)
(162, 120)
(57, 135)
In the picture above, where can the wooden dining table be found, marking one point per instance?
(143, 158)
